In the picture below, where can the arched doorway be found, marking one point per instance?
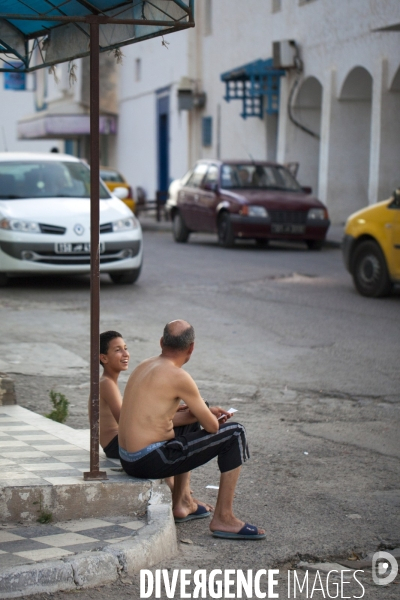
(350, 143)
(306, 110)
(390, 140)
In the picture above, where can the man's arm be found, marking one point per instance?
(111, 395)
(188, 391)
(183, 417)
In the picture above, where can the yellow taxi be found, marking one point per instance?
(113, 179)
(371, 247)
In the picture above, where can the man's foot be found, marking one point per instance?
(200, 513)
(209, 507)
(234, 528)
(184, 507)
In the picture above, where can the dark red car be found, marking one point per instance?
(248, 200)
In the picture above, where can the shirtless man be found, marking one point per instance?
(150, 449)
(114, 358)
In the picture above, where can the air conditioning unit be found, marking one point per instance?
(188, 98)
(284, 54)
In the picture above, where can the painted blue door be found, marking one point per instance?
(163, 142)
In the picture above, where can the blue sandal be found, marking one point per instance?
(248, 532)
(200, 513)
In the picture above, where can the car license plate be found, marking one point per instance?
(77, 248)
(286, 228)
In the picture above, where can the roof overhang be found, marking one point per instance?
(42, 33)
(46, 125)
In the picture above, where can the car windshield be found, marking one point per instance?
(253, 176)
(111, 176)
(46, 179)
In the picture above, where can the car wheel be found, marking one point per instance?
(3, 279)
(125, 277)
(180, 231)
(314, 244)
(262, 242)
(370, 273)
(226, 236)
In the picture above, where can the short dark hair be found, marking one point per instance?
(105, 339)
(182, 341)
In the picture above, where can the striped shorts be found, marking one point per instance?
(191, 450)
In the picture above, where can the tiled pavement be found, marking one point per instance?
(21, 545)
(35, 450)
(41, 457)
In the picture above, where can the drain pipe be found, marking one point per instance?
(299, 69)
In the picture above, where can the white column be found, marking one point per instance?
(328, 97)
(283, 118)
(379, 88)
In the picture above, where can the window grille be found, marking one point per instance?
(257, 85)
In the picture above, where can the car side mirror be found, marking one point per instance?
(307, 189)
(121, 193)
(211, 186)
(396, 196)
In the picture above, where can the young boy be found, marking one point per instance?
(114, 358)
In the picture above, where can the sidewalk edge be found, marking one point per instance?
(153, 542)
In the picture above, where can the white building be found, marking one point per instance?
(347, 94)
(14, 103)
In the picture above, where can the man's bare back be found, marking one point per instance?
(151, 401)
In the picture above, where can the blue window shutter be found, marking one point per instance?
(207, 131)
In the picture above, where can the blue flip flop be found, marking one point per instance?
(200, 513)
(248, 532)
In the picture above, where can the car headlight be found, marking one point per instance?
(317, 214)
(124, 224)
(18, 225)
(257, 211)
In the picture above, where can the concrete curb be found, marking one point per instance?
(153, 542)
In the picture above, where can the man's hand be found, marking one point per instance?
(221, 414)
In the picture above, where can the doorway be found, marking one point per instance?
(163, 142)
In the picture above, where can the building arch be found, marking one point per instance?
(395, 85)
(389, 175)
(350, 143)
(357, 85)
(306, 110)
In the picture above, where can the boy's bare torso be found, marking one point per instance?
(109, 425)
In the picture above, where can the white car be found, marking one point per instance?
(174, 188)
(45, 220)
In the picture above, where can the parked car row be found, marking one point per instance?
(45, 218)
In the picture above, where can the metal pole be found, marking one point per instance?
(94, 472)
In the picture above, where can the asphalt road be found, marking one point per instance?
(282, 336)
